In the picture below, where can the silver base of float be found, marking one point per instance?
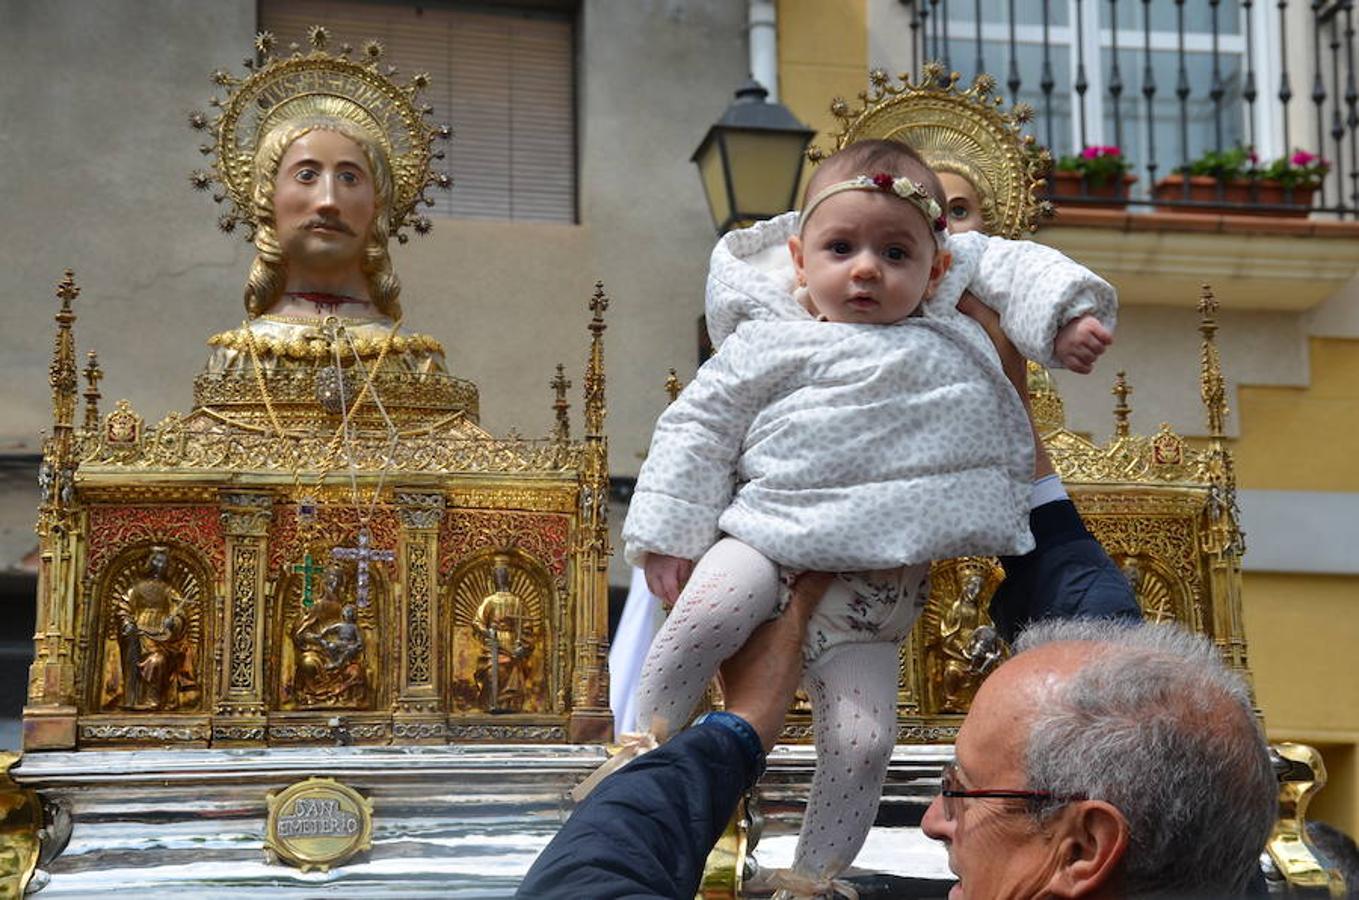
(461, 821)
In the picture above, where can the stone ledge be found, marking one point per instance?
(1257, 263)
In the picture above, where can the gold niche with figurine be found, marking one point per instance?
(327, 548)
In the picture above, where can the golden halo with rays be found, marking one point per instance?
(959, 131)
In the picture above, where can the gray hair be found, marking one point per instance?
(1162, 730)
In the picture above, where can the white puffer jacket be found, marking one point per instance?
(845, 447)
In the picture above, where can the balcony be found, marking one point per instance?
(1219, 87)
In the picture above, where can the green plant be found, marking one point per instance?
(1240, 163)
(1299, 169)
(1234, 164)
(1097, 165)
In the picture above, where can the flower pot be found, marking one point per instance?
(1083, 194)
(1239, 196)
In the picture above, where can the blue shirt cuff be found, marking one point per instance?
(749, 739)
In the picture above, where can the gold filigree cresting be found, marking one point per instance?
(963, 131)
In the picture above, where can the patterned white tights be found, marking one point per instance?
(853, 688)
(732, 590)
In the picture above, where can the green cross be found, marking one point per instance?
(307, 570)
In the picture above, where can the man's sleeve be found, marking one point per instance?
(646, 830)
(1067, 575)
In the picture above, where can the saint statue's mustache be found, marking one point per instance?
(332, 224)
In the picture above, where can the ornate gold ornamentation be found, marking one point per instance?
(93, 375)
(245, 568)
(97, 733)
(498, 602)
(318, 823)
(240, 734)
(113, 528)
(560, 384)
(558, 498)
(153, 633)
(959, 131)
(330, 657)
(420, 511)
(960, 648)
(333, 730)
(419, 591)
(123, 427)
(458, 447)
(418, 731)
(542, 536)
(278, 89)
(1289, 848)
(21, 820)
(247, 514)
(515, 733)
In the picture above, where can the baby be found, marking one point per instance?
(852, 421)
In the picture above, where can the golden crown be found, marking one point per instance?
(317, 82)
(960, 131)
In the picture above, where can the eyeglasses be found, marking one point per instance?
(951, 790)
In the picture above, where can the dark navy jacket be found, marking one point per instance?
(646, 830)
(1067, 575)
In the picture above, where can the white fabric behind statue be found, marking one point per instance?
(642, 618)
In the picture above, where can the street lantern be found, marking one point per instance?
(751, 160)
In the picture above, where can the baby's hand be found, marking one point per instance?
(666, 575)
(1080, 342)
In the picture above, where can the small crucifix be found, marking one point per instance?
(307, 569)
(362, 555)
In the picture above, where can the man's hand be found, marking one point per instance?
(1080, 342)
(666, 576)
(758, 680)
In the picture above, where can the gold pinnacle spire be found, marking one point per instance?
(594, 370)
(1121, 390)
(62, 371)
(560, 384)
(1212, 385)
(673, 385)
(93, 375)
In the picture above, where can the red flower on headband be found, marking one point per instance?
(941, 224)
(883, 181)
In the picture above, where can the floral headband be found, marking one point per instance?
(912, 192)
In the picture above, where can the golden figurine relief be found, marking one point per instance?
(505, 629)
(499, 634)
(329, 659)
(154, 628)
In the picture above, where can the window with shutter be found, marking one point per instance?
(503, 78)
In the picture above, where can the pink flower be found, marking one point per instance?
(1302, 158)
(1254, 157)
(1091, 152)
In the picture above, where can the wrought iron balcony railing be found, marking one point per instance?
(1171, 82)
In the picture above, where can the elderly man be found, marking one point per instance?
(1107, 760)
(1104, 760)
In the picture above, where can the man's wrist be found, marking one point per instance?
(745, 732)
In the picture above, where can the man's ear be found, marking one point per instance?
(795, 251)
(1091, 839)
(943, 259)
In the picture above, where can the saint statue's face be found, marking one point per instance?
(324, 202)
(963, 209)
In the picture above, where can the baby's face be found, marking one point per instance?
(867, 257)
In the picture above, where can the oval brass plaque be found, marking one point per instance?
(318, 823)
